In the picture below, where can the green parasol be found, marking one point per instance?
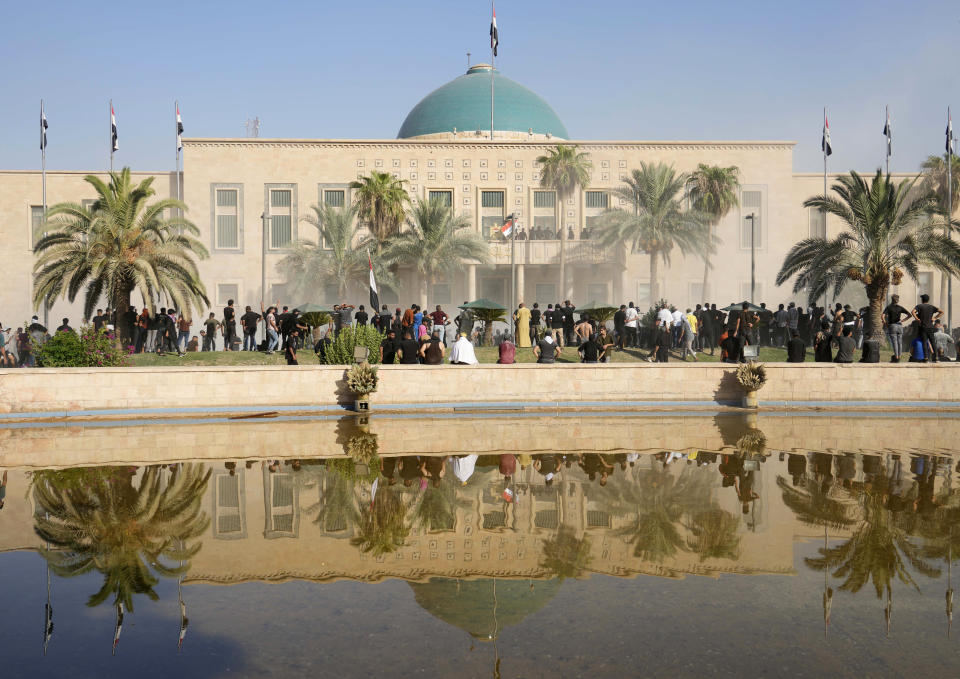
(483, 304)
(598, 311)
(739, 305)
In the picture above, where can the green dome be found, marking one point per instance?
(464, 104)
(469, 604)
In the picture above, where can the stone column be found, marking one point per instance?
(521, 281)
(471, 282)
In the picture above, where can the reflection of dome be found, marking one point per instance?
(463, 104)
(470, 607)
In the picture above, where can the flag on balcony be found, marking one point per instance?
(507, 229)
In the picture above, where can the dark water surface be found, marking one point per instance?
(751, 562)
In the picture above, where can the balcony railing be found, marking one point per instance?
(548, 252)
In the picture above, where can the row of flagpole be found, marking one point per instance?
(827, 147)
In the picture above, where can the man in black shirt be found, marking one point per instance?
(249, 322)
(385, 318)
(845, 346)
(361, 316)
(926, 314)
(229, 326)
(893, 317)
(535, 315)
(99, 321)
(590, 351)
(766, 322)
(388, 348)
(796, 348)
(293, 343)
(408, 349)
(283, 323)
(620, 325)
(66, 326)
(568, 321)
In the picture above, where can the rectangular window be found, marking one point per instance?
(924, 283)
(597, 519)
(227, 231)
(281, 232)
(334, 197)
(745, 292)
(229, 507)
(36, 224)
(696, 292)
(546, 293)
(280, 198)
(226, 292)
(596, 199)
(547, 222)
(491, 199)
(445, 197)
(226, 198)
(643, 296)
(818, 223)
(226, 216)
(597, 292)
(751, 204)
(544, 199)
(440, 294)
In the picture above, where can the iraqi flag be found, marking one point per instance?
(888, 133)
(949, 132)
(825, 144)
(114, 146)
(43, 128)
(374, 295)
(179, 130)
(494, 38)
(507, 229)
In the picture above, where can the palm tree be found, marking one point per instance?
(437, 242)
(714, 191)
(565, 555)
(97, 519)
(875, 551)
(657, 221)
(383, 526)
(890, 229)
(381, 202)
(120, 244)
(564, 169)
(814, 506)
(713, 534)
(934, 173)
(338, 257)
(437, 509)
(337, 509)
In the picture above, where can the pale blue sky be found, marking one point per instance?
(612, 70)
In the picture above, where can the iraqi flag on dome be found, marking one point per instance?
(374, 295)
(494, 37)
(507, 229)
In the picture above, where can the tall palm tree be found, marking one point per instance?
(564, 169)
(99, 519)
(381, 201)
(890, 229)
(438, 242)
(714, 191)
(814, 505)
(713, 534)
(437, 508)
(657, 222)
(934, 173)
(338, 257)
(565, 555)
(382, 527)
(122, 243)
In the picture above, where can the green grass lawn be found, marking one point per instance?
(484, 354)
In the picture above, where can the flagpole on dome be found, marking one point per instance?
(177, 127)
(949, 212)
(494, 43)
(827, 148)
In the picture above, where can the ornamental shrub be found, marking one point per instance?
(88, 349)
(340, 352)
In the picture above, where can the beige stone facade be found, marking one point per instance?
(283, 178)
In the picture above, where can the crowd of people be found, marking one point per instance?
(416, 336)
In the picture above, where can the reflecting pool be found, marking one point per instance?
(547, 560)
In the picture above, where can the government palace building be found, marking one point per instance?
(235, 189)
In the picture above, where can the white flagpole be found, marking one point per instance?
(43, 174)
(110, 135)
(886, 140)
(949, 217)
(492, 67)
(825, 306)
(176, 143)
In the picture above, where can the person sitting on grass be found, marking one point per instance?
(846, 345)
(546, 350)
(462, 353)
(507, 352)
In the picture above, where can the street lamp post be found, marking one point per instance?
(753, 254)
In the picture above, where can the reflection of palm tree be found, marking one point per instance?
(97, 519)
(876, 551)
(813, 506)
(565, 555)
(337, 508)
(382, 526)
(714, 534)
(658, 501)
(437, 509)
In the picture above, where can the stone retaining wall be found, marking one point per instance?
(59, 390)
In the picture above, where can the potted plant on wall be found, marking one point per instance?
(752, 377)
(362, 380)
